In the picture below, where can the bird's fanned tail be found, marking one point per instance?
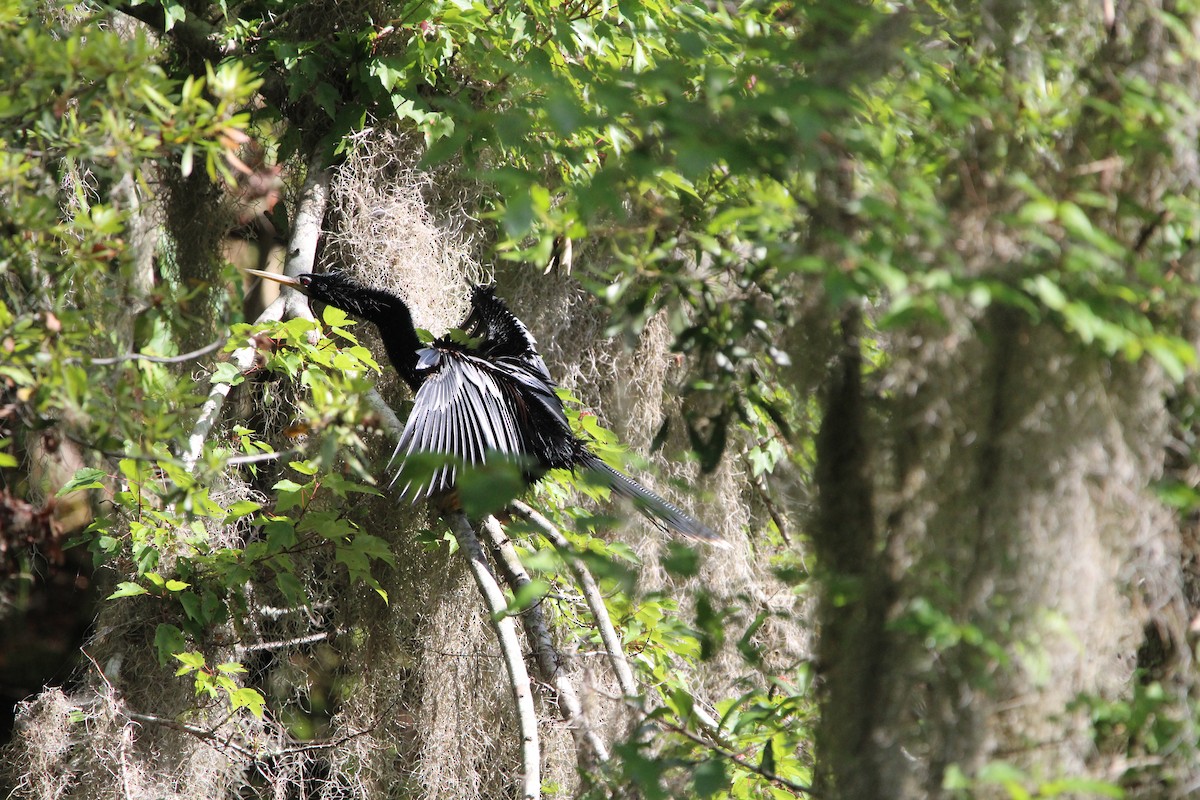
(663, 514)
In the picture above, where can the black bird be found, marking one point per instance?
(489, 396)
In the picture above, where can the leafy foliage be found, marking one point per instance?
(718, 163)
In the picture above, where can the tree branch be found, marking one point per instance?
(510, 649)
(198, 39)
(546, 656)
(306, 233)
(223, 742)
(302, 252)
(591, 594)
(179, 359)
(736, 758)
(243, 359)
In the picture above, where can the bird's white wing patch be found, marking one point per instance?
(461, 412)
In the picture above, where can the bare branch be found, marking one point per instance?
(302, 252)
(736, 758)
(179, 359)
(386, 413)
(257, 458)
(222, 742)
(510, 649)
(591, 594)
(226, 742)
(241, 649)
(243, 358)
(549, 662)
(306, 232)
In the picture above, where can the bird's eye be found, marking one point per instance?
(305, 280)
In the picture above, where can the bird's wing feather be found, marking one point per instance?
(462, 412)
(535, 388)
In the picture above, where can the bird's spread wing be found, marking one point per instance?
(505, 337)
(462, 412)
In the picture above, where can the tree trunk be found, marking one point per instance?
(997, 558)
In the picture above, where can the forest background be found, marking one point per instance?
(899, 297)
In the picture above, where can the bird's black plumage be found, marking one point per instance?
(489, 397)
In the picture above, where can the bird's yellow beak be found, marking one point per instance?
(286, 280)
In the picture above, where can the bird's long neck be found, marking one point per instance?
(391, 317)
(401, 342)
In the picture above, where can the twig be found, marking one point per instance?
(194, 730)
(113, 454)
(179, 359)
(276, 612)
(510, 648)
(591, 594)
(313, 637)
(738, 759)
(231, 461)
(228, 742)
(547, 658)
(772, 509)
(237, 461)
(726, 753)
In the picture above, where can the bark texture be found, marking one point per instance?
(997, 556)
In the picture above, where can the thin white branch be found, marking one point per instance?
(242, 649)
(306, 231)
(591, 594)
(243, 359)
(510, 649)
(302, 252)
(386, 413)
(179, 359)
(549, 662)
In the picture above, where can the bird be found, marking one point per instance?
(483, 395)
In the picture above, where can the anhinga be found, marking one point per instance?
(489, 397)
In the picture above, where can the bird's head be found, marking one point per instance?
(337, 289)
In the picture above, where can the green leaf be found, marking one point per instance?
(292, 588)
(248, 698)
(518, 215)
(192, 607)
(681, 560)
(1038, 212)
(1178, 494)
(86, 478)
(227, 372)
(527, 595)
(173, 12)
(335, 317)
(280, 534)
(168, 640)
(709, 778)
(711, 624)
(1175, 355)
(768, 756)
(489, 487)
(1075, 220)
(190, 660)
(1080, 787)
(128, 589)
(303, 467)
(242, 508)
